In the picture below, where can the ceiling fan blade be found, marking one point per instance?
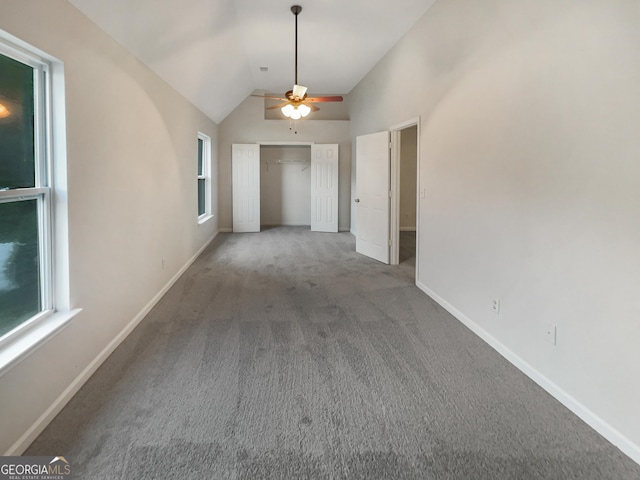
(311, 106)
(280, 105)
(269, 96)
(335, 98)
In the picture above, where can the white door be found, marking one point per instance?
(245, 162)
(372, 195)
(324, 188)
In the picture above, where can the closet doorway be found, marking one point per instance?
(285, 184)
(285, 176)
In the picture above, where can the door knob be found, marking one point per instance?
(357, 200)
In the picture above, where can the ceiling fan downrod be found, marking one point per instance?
(296, 9)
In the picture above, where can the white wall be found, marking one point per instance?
(132, 165)
(285, 198)
(408, 177)
(529, 157)
(246, 124)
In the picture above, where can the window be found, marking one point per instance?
(35, 299)
(204, 177)
(24, 193)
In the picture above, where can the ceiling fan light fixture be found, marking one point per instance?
(287, 110)
(295, 112)
(304, 109)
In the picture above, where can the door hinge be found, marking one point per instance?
(389, 193)
(390, 145)
(389, 242)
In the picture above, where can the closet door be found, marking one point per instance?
(245, 161)
(324, 188)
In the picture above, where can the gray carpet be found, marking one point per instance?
(286, 355)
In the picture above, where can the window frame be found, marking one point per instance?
(50, 189)
(204, 174)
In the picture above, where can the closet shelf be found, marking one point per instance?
(305, 163)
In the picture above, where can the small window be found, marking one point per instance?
(25, 190)
(204, 177)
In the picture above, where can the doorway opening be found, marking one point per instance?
(404, 186)
(408, 195)
(285, 176)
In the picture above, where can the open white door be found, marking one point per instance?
(372, 196)
(324, 188)
(245, 161)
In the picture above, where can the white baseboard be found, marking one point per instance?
(59, 403)
(628, 447)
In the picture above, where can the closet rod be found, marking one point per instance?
(306, 163)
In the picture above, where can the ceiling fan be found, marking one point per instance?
(296, 104)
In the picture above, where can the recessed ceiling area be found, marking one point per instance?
(213, 51)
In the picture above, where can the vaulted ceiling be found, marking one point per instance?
(214, 51)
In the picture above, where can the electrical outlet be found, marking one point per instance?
(495, 306)
(551, 332)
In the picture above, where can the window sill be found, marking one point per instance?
(204, 219)
(23, 343)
